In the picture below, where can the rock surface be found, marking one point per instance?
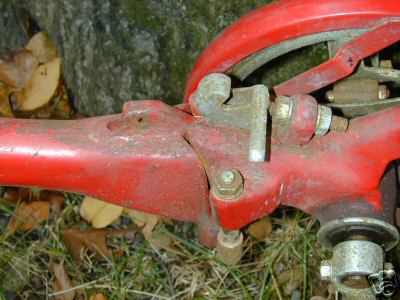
(117, 50)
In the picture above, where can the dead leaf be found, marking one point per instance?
(62, 282)
(42, 85)
(17, 68)
(159, 240)
(95, 240)
(147, 222)
(99, 213)
(6, 93)
(41, 46)
(260, 229)
(98, 296)
(290, 279)
(29, 215)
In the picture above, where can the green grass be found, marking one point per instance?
(287, 260)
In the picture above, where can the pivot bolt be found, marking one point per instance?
(228, 184)
(215, 88)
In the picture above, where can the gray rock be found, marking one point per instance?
(117, 50)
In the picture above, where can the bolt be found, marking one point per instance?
(230, 246)
(383, 92)
(339, 124)
(215, 87)
(228, 184)
(325, 270)
(228, 176)
(330, 96)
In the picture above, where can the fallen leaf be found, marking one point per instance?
(99, 213)
(159, 240)
(62, 282)
(41, 46)
(95, 240)
(6, 93)
(56, 202)
(98, 296)
(42, 85)
(290, 279)
(260, 229)
(17, 68)
(147, 222)
(29, 215)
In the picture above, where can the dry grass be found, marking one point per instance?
(284, 265)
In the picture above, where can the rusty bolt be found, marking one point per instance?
(228, 184)
(215, 87)
(383, 92)
(339, 124)
(327, 121)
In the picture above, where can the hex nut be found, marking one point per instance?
(283, 108)
(226, 186)
(325, 270)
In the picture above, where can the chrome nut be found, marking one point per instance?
(228, 184)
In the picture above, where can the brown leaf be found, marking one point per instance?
(41, 46)
(62, 282)
(56, 202)
(291, 279)
(98, 296)
(260, 229)
(95, 240)
(159, 240)
(17, 68)
(147, 222)
(6, 93)
(29, 215)
(42, 85)
(99, 213)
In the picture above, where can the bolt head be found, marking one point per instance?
(228, 184)
(215, 87)
(325, 270)
(228, 176)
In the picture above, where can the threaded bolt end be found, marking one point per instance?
(339, 124)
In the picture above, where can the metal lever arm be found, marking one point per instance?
(138, 159)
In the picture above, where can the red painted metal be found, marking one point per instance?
(300, 128)
(138, 159)
(284, 20)
(161, 159)
(155, 158)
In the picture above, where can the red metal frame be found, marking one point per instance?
(285, 20)
(155, 158)
(161, 160)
